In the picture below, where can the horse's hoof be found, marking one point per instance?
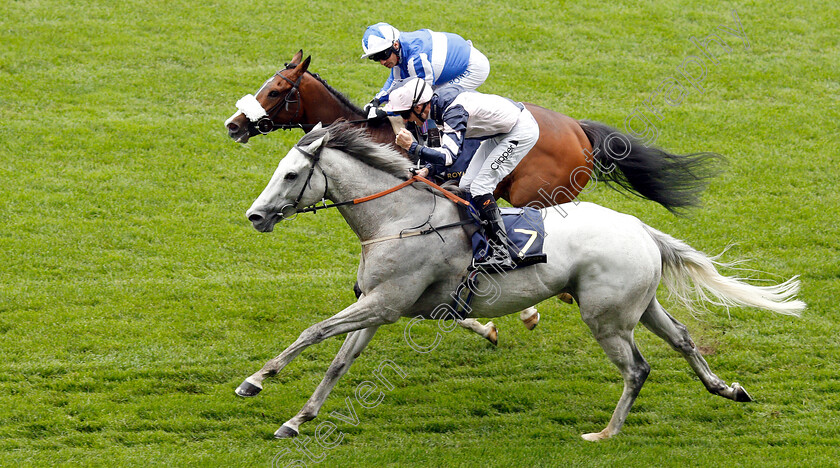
(493, 334)
(532, 321)
(248, 389)
(595, 436)
(566, 297)
(741, 395)
(285, 432)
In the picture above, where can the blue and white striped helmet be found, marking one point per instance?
(378, 37)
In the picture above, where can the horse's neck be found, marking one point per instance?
(324, 106)
(350, 179)
(382, 130)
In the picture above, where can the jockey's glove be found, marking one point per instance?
(372, 110)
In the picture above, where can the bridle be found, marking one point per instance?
(265, 124)
(316, 157)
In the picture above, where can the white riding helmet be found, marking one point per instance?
(378, 37)
(413, 92)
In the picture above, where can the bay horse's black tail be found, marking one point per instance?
(675, 181)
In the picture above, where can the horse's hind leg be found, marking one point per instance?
(621, 349)
(660, 322)
(530, 317)
(488, 331)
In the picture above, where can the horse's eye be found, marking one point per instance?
(274, 94)
(291, 176)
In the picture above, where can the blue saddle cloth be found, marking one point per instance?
(525, 230)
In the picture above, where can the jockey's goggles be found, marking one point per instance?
(384, 55)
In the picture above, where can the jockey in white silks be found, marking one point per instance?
(438, 58)
(508, 131)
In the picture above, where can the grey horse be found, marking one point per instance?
(610, 263)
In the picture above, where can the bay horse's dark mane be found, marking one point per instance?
(341, 97)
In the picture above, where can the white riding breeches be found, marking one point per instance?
(498, 156)
(474, 76)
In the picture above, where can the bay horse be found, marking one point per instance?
(567, 156)
(611, 263)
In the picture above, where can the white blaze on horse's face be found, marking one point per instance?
(277, 200)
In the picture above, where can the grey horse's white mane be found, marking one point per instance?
(355, 142)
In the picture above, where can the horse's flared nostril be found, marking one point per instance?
(232, 128)
(255, 217)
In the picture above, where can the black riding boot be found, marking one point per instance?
(494, 227)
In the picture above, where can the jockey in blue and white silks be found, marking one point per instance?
(438, 58)
(508, 131)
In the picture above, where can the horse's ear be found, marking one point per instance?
(316, 145)
(317, 126)
(300, 69)
(296, 59)
(305, 65)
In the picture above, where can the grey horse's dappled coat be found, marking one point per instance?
(611, 263)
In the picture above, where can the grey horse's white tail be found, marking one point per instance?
(691, 277)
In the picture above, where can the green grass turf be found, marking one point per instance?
(135, 296)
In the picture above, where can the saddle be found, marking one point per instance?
(524, 227)
(525, 230)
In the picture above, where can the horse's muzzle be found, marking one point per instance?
(262, 222)
(238, 133)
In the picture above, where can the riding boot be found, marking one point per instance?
(494, 227)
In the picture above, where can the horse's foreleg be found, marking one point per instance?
(351, 349)
(660, 322)
(365, 313)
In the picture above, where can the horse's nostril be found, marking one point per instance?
(232, 127)
(255, 217)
